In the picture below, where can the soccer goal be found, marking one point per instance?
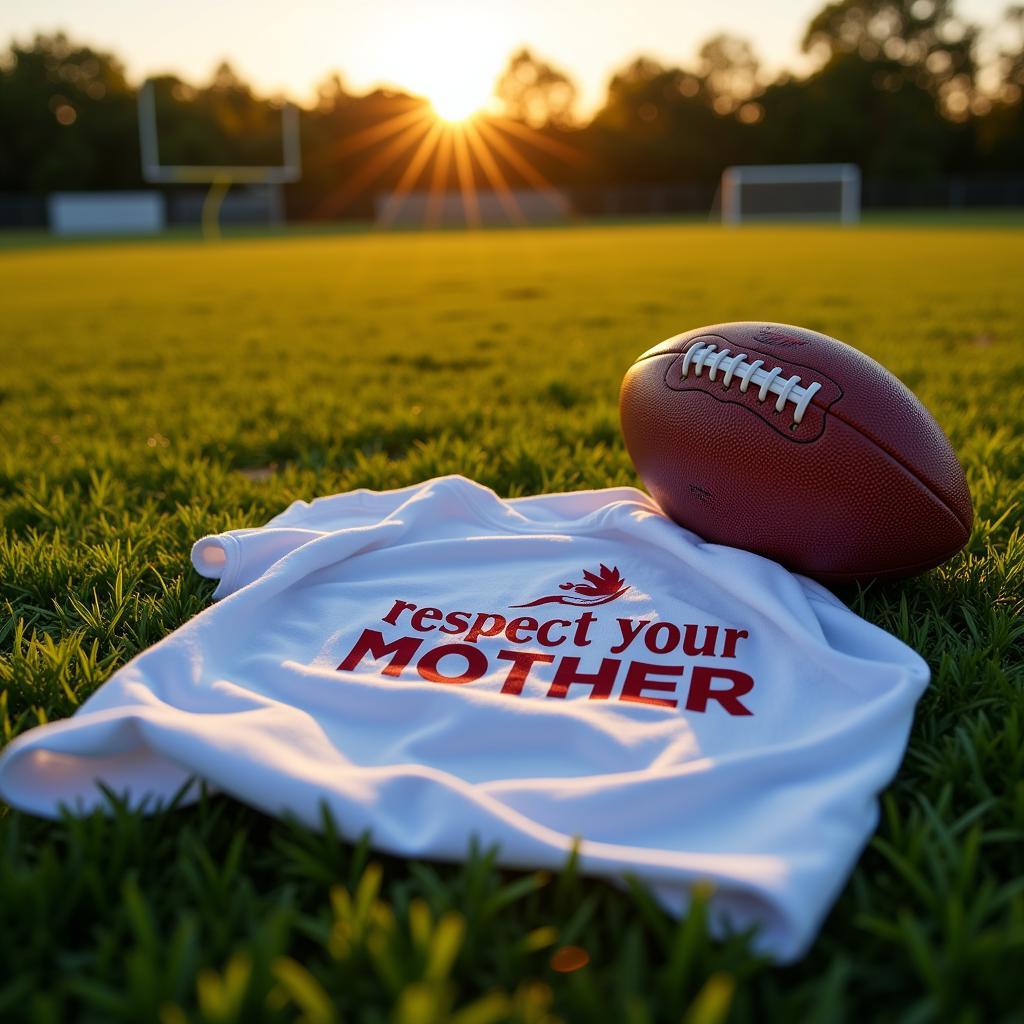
(791, 192)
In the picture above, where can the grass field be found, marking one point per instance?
(151, 394)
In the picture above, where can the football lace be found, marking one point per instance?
(709, 355)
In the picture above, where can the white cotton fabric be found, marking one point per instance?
(767, 793)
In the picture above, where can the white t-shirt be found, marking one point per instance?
(437, 664)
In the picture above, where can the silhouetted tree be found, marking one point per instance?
(730, 72)
(331, 94)
(924, 42)
(67, 118)
(221, 123)
(896, 90)
(670, 124)
(1000, 126)
(856, 110)
(535, 92)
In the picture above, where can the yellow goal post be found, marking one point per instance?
(219, 177)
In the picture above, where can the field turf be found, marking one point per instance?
(153, 393)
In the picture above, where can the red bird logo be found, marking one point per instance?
(599, 587)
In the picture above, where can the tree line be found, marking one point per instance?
(906, 89)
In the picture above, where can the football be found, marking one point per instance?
(796, 446)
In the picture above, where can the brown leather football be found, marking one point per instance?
(791, 444)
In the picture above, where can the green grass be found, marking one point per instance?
(1006, 217)
(151, 394)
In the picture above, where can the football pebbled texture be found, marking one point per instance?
(830, 466)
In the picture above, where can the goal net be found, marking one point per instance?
(791, 192)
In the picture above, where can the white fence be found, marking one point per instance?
(106, 213)
(516, 206)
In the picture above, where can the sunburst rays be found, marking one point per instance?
(464, 172)
(437, 182)
(400, 140)
(538, 139)
(493, 173)
(480, 152)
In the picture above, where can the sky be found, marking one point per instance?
(448, 50)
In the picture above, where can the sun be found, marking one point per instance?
(431, 56)
(458, 91)
(455, 105)
(453, 137)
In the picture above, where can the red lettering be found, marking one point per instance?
(630, 630)
(457, 621)
(671, 641)
(522, 662)
(476, 663)
(485, 625)
(426, 615)
(733, 637)
(701, 692)
(600, 682)
(544, 633)
(583, 624)
(638, 679)
(396, 611)
(371, 643)
(521, 625)
(690, 641)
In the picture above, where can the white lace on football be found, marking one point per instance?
(789, 389)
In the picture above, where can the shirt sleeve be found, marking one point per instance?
(238, 557)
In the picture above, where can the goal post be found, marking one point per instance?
(219, 177)
(804, 192)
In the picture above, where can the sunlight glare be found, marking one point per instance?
(444, 146)
(451, 54)
(454, 106)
